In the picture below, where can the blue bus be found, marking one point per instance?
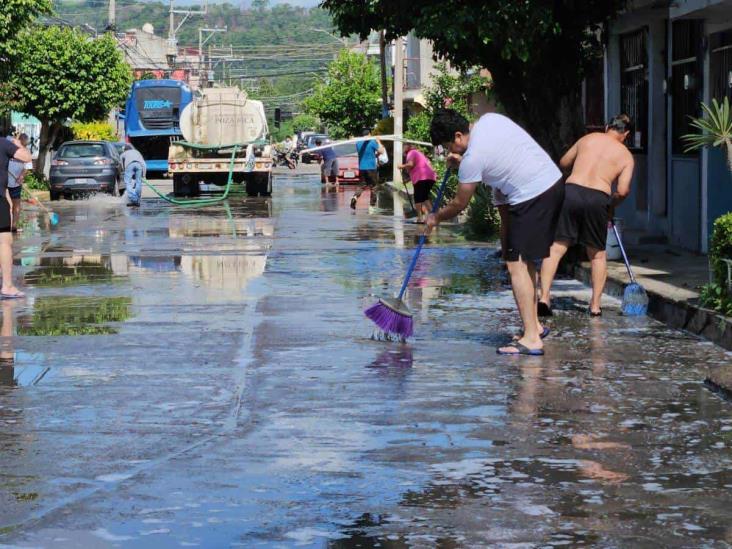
(152, 118)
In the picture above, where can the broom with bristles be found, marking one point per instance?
(391, 314)
(635, 298)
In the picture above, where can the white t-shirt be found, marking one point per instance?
(503, 156)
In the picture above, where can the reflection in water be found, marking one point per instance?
(7, 351)
(71, 271)
(68, 315)
(246, 219)
(223, 272)
(401, 357)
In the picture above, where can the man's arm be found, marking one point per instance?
(624, 180)
(567, 161)
(409, 165)
(464, 193)
(22, 153)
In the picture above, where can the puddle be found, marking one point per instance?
(75, 270)
(74, 316)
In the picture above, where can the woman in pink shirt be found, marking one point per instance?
(423, 178)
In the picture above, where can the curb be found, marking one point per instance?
(682, 315)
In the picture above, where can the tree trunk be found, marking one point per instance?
(46, 141)
(384, 86)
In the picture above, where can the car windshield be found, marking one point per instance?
(82, 150)
(313, 138)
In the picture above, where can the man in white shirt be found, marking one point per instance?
(528, 190)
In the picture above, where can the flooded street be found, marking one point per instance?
(183, 377)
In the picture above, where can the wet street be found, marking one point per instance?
(205, 377)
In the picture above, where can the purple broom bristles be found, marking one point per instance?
(390, 321)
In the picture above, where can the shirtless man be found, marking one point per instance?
(597, 161)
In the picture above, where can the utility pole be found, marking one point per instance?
(112, 15)
(398, 121)
(201, 43)
(382, 63)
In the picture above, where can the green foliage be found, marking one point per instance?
(15, 15)
(68, 315)
(285, 129)
(349, 98)
(720, 247)
(715, 129)
(418, 126)
(35, 182)
(305, 122)
(538, 52)
(93, 131)
(63, 74)
(716, 297)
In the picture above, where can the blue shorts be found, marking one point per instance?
(15, 192)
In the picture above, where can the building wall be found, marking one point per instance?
(676, 196)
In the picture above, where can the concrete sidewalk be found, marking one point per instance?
(673, 279)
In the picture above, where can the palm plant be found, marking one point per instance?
(715, 129)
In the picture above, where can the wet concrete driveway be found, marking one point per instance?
(205, 377)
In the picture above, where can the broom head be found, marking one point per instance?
(635, 300)
(53, 216)
(392, 317)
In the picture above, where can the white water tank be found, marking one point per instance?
(613, 248)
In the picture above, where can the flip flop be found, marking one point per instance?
(593, 314)
(543, 335)
(521, 350)
(18, 295)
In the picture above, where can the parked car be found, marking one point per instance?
(348, 173)
(309, 157)
(84, 167)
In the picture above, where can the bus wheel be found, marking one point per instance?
(185, 184)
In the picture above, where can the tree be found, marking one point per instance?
(15, 15)
(305, 122)
(62, 74)
(349, 99)
(537, 51)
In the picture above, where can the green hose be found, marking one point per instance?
(200, 201)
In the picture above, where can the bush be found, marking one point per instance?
(720, 246)
(93, 131)
(716, 297)
(35, 182)
(305, 122)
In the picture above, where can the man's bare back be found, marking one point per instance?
(597, 161)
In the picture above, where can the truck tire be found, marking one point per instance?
(259, 184)
(185, 184)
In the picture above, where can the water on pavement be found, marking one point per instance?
(206, 377)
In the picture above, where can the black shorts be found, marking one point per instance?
(369, 178)
(532, 224)
(15, 192)
(422, 190)
(5, 219)
(584, 217)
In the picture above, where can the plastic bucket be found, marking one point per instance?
(612, 247)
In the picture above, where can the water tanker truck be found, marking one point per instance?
(219, 123)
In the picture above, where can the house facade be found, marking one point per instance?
(663, 59)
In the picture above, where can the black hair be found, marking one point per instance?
(621, 124)
(318, 141)
(445, 123)
(366, 131)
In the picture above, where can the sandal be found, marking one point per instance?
(593, 314)
(521, 350)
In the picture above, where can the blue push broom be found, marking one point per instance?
(635, 298)
(391, 314)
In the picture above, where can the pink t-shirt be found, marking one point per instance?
(422, 170)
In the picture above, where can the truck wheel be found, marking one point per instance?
(259, 184)
(185, 185)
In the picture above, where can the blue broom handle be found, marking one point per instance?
(423, 237)
(622, 250)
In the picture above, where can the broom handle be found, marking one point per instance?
(423, 237)
(622, 250)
